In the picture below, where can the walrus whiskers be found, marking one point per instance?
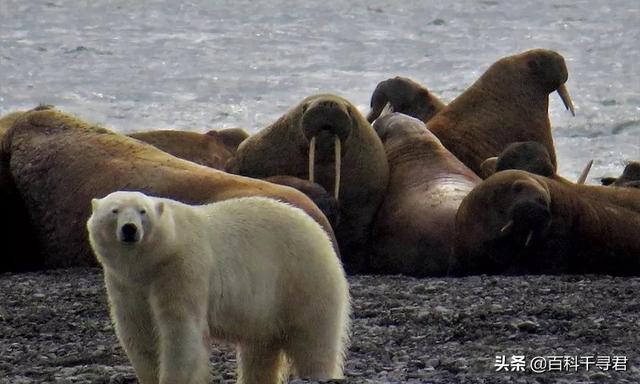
(585, 173)
(529, 236)
(506, 226)
(312, 158)
(338, 150)
(566, 98)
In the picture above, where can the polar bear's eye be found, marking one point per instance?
(115, 210)
(143, 211)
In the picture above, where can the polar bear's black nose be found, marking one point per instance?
(129, 232)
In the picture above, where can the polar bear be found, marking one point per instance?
(252, 271)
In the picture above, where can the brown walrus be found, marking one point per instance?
(212, 149)
(517, 222)
(528, 156)
(59, 163)
(405, 96)
(630, 177)
(508, 103)
(7, 121)
(325, 139)
(412, 231)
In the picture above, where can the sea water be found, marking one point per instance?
(199, 65)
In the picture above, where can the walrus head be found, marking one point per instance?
(528, 211)
(550, 72)
(392, 124)
(529, 156)
(507, 213)
(326, 122)
(231, 137)
(405, 96)
(630, 177)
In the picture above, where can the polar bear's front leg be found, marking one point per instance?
(181, 318)
(131, 314)
(261, 364)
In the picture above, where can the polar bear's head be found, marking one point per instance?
(124, 221)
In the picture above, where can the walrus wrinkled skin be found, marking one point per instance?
(405, 96)
(508, 103)
(328, 122)
(517, 222)
(414, 226)
(59, 163)
(630, 177)
(327, 203)
(212, 149)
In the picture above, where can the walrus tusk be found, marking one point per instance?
(312, 158)
(585, 173)
(529, 236)
(566, 98)
(388, 109)
(507, 226)
(338, 152)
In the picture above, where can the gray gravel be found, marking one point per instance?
(54, 327)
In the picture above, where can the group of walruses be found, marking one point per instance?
(401, 188)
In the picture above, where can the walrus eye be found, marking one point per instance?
(114, 211)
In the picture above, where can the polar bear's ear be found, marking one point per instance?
(94, 204)
(160, 207)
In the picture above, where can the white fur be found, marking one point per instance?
(251, 271)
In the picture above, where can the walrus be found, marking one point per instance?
(59, 163)
(412, 230)
(529, 156)
(7, 121)
(534, 158)
(508, 103)
(518, 222)
(405, 96)
(630, 177)
(212, 149)
(488, 167)
(326, 140)
(327, 203)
